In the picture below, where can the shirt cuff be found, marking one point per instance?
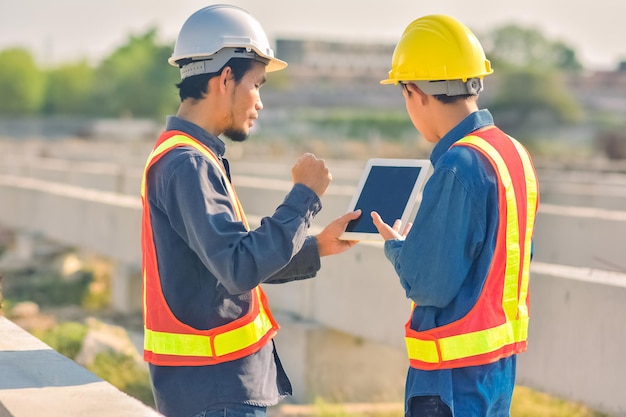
(392, 249)
(304, 199)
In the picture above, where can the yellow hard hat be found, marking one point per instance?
(437, 47)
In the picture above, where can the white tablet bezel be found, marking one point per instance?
(424, 164)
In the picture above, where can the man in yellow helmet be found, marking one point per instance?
(465, 261)
(208, 329)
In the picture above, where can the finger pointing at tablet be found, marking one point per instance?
(390, 187)
(388, 232)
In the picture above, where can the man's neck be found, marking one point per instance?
(453, 114)
(196, 112)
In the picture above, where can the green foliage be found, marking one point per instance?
(97, 297)
(513, 46)
(362, 125)
(527, 99)
(531, 94)
(324, 409)
(525, 403)
(529, 403)
(125, 374)
(66, 338)
(22, 84)
(136, 80)
(46, 288)
(69, 89)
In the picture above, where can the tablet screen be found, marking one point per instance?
(390, 187)
(386, 190)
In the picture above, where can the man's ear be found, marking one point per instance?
(413, 89)
(225, 76)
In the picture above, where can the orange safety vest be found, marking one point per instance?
(497, 326)
(167, 340)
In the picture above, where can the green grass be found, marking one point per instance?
(125, 374)
(120, 370)
(66, 338)
(526, 403)
(529, 403)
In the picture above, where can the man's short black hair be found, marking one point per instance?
(197, 86)
(446, 99)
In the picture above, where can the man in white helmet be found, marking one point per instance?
(208, 326)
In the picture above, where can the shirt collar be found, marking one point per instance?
(192, 129)
(472, 122)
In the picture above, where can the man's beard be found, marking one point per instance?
(236, 135)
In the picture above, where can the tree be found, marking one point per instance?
(22, 83)
(513, 46)
(136, 79)
(69, 89)
(529, 74)
(528, 99)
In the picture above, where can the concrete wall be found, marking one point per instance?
(353, 336)
(576, 338)
(38, 381)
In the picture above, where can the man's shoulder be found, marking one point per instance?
(463, 159)
(182, 159)
(469, 167)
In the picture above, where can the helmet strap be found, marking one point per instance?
(213, 63)
(471, 86)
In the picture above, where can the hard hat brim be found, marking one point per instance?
(275, 64)
(213, 63)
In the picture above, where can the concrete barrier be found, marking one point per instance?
(106, 223)
(589, 188)
(356, 301)
(38, 381)
(575, 342)
(576, 339)
(581, 236)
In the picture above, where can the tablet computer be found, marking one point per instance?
(391, 187)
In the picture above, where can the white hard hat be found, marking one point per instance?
(213, 35)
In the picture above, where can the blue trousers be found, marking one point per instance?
(428, 406)
(234, 410)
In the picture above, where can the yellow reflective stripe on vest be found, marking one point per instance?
(177, 344)
(531, 198)
(510, 296)
(468, 344)
(201, 345)
(244, 336)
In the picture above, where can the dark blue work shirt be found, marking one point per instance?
(208, 263)
(443, 262)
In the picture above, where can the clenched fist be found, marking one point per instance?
(312, 172)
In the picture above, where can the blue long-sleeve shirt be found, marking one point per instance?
(208, 262)
(443, 262)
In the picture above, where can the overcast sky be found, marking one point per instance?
(61, 30)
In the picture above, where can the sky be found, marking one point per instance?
(57, 31)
